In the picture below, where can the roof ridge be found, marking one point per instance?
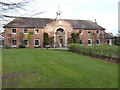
(34, 18)
(41, 22)
(77, 19)
(51, 18)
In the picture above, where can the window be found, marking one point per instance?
(26, 42)
(13, 31)
(14, 43)
(25, 31)
(60, 30)
(1, 42)
(36, 31)
(98, 41)
(69, 29)
(81, 41)
(89, 41)
(37, 43)
(80, 32)
(108, 41)
(49, 29)
(97, 32)
(89, 32)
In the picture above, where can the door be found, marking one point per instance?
(61, 42)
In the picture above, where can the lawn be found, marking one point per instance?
(41, 68)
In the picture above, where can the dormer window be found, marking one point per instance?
(13, 31)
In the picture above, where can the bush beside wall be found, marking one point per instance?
(101, 51)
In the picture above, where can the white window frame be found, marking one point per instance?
(24, 30)
(82, 41)
(35, 31)
(69, 29)
(99, 41)
(49, 29)
(98, 32)
(90, 33)
(12, 43)
(28, 42)
(12, 30)
(1, 42)
(91, 41)
(39, 42)
(81, 32)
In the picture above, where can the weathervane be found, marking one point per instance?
(58, 13)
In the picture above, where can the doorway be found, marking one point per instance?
(59, 38)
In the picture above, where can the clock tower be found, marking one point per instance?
(58, 13)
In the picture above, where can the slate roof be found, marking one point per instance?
(108, 36)
(24, 22)
(84, 24)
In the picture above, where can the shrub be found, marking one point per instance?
(6, 47)
(46, 39)
(37, 47)
(22, 46)
(102, 51)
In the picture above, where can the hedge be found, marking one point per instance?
(102, 51)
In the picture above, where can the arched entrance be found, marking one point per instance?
(59, 38)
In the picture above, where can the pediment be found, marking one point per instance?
(59, 22)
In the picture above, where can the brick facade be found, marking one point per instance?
(59, 32)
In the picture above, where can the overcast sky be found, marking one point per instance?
(104, 11)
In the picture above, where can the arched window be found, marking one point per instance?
(60, 30)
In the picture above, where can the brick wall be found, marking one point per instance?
(51, 28)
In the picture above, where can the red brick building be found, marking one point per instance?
(59, 31)
(109, 38)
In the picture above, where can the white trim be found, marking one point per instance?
(1, 42)
(55, 36)
(12, 43)
(110, 42)
(91, 41)
(99, 41)
(28, 42)
(12, 30)
(81, 32)
(90, 33)
(38, 31)
(69, 29)
(98, 32)
(25, 29)
(82, 42)
(38, 40)
(49, 29)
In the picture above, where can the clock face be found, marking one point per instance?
(60, 22)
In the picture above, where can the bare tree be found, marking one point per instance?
(8, 8)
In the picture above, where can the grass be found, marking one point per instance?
(41, 68)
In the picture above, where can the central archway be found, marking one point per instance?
(60, 38)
